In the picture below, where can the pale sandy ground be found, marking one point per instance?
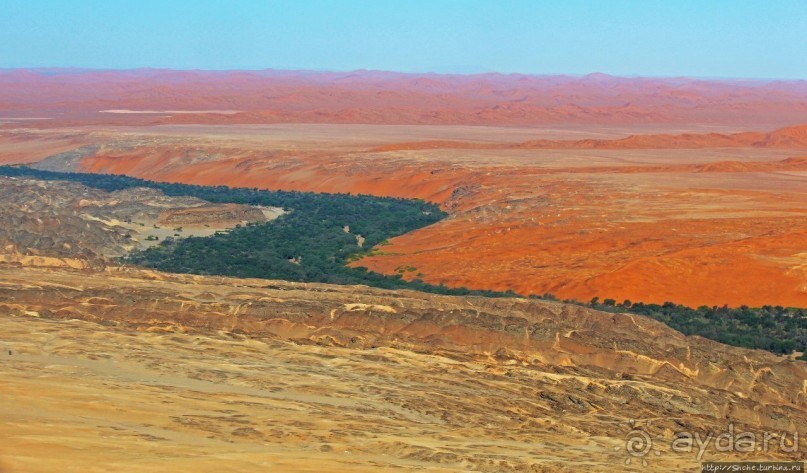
(78, 397)
(171, 112)
(336, 136)
(174, 373)
(146, 228)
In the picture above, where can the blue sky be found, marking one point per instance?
(703, 38)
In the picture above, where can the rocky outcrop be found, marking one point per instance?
(44, 222)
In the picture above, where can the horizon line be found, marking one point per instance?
(407, 73)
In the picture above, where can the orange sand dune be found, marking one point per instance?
(709, 226)
(787, 164)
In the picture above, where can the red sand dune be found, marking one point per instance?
(70, 96)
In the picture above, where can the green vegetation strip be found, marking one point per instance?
(309, 244)
(781, 330)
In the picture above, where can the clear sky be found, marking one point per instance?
(700, 38)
